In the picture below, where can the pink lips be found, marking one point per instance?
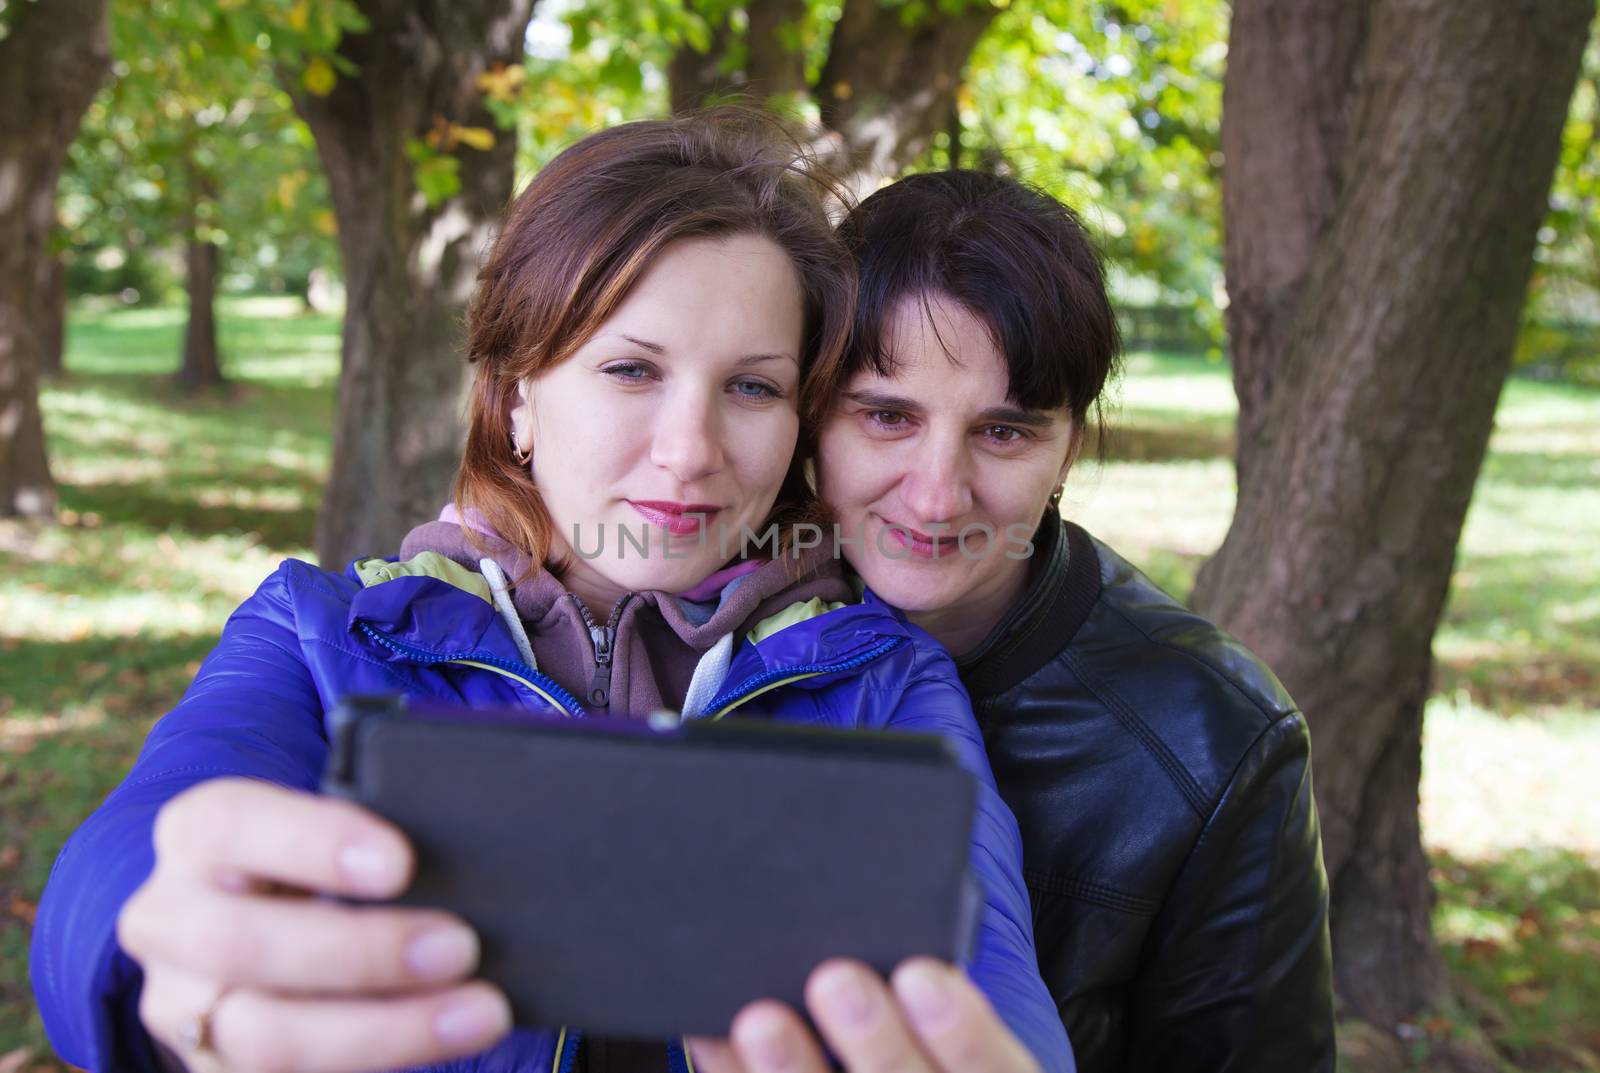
(679, 519)
(920, 544)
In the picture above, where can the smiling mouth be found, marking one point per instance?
(679, 519)
(923, 545)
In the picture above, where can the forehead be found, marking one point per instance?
(743, 285)
(941, 354)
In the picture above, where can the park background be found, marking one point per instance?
(237, 220)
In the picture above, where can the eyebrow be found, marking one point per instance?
(1003, 415)
(645, 344)
(748, 359)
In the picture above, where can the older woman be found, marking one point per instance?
(650, 329)
(1160, 774)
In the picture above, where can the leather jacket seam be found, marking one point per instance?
(1211, 818)
(1085, 890)
(1271, 715)
(1186, 783)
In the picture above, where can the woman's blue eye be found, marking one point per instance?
(756, 389)
(627, 371)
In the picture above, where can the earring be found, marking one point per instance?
(1055, 497)
(518, 453)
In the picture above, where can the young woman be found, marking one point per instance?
(1160, 774)
(663, 302)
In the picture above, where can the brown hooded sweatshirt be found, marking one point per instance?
(655, 639)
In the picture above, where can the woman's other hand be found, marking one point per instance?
(930, 1019)
(234, 942)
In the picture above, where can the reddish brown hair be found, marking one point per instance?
(584, 231)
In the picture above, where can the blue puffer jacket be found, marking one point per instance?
(308, 637)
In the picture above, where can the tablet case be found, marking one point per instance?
(647, 883)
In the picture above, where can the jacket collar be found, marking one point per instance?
(1063, 588)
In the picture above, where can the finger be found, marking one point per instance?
(296, 945)
(267, 1033)
(168, 1000)
(265, 831)
(713, 1055)
(953, 1021)
(858, 1017)
(769, 1037)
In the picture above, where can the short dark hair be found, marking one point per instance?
(1013, 256)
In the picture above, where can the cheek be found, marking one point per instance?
(579, 450)
(1009, 496)
(853, 472)
(763, 446)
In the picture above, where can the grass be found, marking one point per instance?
(175, 508)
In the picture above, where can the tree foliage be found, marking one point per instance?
(194, 137)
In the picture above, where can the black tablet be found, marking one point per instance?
(640, 880)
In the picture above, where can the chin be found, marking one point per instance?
(658, 573)
(912, 591)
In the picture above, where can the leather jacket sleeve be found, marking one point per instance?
(1236, 971)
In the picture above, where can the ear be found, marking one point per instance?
(521, 416)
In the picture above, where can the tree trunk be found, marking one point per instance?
(52, 298)
(771, 68)
(201, 367)
(409, 268)
(885, 90)
(51, 64)
(1387, 170)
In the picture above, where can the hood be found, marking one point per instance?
(655, 640)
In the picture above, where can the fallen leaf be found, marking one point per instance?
(10, 854)
(23, 910)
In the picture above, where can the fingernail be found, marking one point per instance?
(845, 993)
(475, 1019)
(767, 1039)
(369, 868)
(442, 952)
(924, 991)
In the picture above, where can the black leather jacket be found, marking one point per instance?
(1162, 780)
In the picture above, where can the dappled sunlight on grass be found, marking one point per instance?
(1521, 934)
(1491, 784)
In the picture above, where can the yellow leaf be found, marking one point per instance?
(300, 16)
(319, 77)
(289, 187)
(500, 83)
(480, 138)
(843, 90)
(325, 222)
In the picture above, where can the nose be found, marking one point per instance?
(688, 439)
(938, 488)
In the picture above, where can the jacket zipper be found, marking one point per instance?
(546, 687)
(603, 638)
(780, 676)
(566, 1048)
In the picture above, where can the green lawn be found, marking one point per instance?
(175, 508)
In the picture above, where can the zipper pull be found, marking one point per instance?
(600, 684)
